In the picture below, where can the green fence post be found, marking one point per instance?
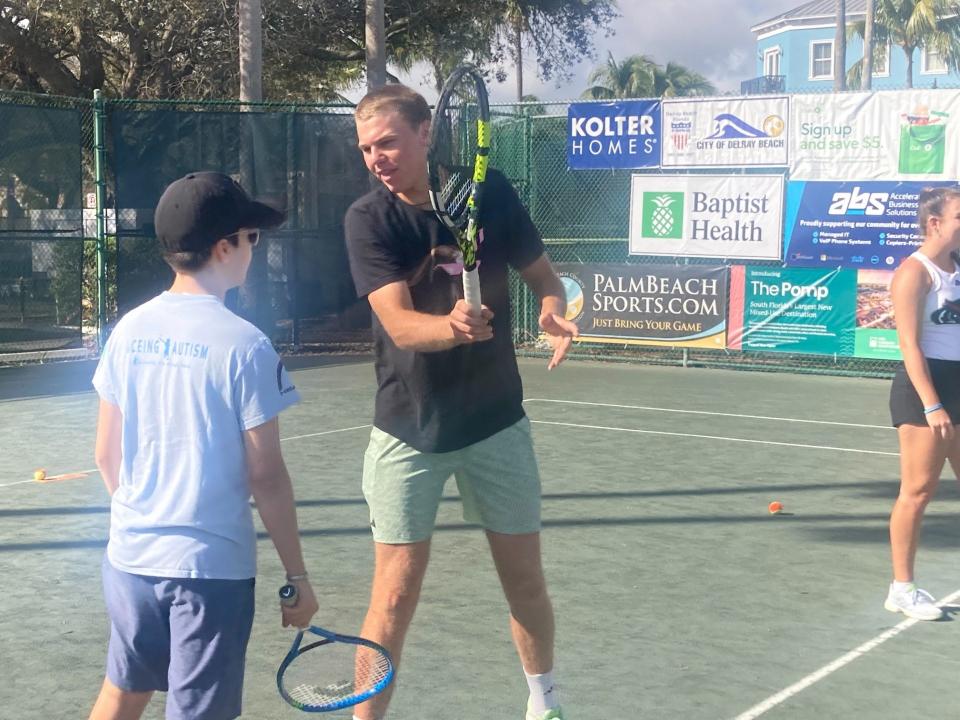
(100, 182)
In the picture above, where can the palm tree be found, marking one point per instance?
(631, 78)
(868, 47)
(675, 80)
(913, 24)
(840, 48)
(376, 45)
(251, 51)
(640, 76)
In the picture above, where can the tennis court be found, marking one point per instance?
(677, 594)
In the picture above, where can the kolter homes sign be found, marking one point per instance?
(613, 135)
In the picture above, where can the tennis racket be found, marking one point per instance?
(325, 671)
(457, 166)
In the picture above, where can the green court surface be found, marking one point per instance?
(677, 594)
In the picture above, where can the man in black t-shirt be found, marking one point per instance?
(449, 397)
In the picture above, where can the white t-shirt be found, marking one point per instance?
(940, 329)
(189, 377)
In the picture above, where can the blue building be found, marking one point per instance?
(795, 54)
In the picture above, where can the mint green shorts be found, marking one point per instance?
(498, 480)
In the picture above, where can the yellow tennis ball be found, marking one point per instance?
(40, 475)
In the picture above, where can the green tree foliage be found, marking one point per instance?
(640, 76)
(911, 24)
(129, 48)
(312, 48)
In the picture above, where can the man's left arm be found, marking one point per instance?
(545, 283)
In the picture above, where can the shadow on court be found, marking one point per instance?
(677, 594)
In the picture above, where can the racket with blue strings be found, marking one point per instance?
(326, 671)
(457, 166)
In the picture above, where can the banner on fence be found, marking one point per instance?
(876, 331)
(606, 135)
(852, 224)
(899, 135)
(647, 304)
(733, 132)
(723, 216)
(792, 310)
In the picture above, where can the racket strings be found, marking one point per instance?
(456, 192)
(309, 680)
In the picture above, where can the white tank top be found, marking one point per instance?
(940, 329)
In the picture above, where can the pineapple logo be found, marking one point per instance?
(663, 215)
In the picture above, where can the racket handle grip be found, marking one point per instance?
(288, 595)
(471, 289)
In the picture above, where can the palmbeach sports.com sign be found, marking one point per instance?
(647, 304)
(737, 216)
(738, 132)
(614, 134)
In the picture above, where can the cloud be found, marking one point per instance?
(711, 37)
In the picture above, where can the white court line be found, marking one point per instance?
(774, 700)
(294, 437)
(707, 412)
(717, 437)
(325, 432)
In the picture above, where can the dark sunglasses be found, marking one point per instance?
(253, 236)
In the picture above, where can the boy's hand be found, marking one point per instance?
(300, 614)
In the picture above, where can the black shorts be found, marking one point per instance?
(906, 406)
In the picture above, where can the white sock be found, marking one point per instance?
(902, 587)
(543, 692)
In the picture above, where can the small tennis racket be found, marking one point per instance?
(457, 166)
(332, 671)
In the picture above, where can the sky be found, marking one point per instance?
(711, 37)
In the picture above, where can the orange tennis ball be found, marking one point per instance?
(40, 475)
(775, 508)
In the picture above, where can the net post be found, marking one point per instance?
(100, 184)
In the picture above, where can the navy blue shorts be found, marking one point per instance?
(187, 637)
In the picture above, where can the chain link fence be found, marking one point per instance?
(302, 157)
(44, 161)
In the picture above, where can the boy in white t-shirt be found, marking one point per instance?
(187, 431)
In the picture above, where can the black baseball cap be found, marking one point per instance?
(197, 210)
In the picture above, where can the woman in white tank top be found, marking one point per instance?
(925, 395)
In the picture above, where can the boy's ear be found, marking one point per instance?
(221, 249)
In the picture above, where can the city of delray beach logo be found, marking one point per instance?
(728, 126)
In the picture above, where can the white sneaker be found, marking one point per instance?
(555, 714)
(914, 603)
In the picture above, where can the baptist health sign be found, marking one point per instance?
(720, 216)
(613, 135)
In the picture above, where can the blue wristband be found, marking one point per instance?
(933, 408)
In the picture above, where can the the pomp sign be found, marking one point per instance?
(614, 134)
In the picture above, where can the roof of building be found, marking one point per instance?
(814, 10)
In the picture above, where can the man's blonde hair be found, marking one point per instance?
(408, 103)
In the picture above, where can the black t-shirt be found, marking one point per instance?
(446, 400)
